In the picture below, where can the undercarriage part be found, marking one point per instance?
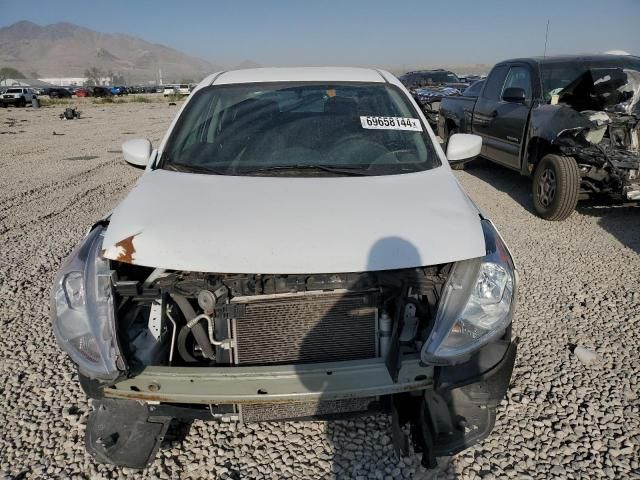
(322, 409)
(122, 432)
(464, 413)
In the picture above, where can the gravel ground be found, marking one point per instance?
(580, 285)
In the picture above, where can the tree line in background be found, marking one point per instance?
(95, 76)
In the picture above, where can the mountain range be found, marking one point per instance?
(68, 50)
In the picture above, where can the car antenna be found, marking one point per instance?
(546, 37)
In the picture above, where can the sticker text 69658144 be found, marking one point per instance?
(391, 123)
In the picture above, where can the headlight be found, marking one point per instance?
(476, 305)
(82, 313)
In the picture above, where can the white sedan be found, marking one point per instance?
(297, 247)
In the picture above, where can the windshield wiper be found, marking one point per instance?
(181, 167)
(347, 171)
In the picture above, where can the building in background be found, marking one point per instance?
(74, 81)
(25, 82)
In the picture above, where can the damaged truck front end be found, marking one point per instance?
(431, 346)
(592, 115)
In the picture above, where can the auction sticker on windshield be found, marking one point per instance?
(391, 123)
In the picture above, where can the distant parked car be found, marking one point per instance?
(170, 90)
(429, 87)
(58, 92)
(83, 92)
(438, 77)
(101, 92)
(183, 89)
(18, 96)
(117, 91)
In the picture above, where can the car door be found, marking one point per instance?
(486, 104)
(505, 121)
(510, 123)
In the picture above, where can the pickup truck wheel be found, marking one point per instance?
(22, 102)
(556, 185)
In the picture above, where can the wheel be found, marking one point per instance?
(556, 185)
(22, 102)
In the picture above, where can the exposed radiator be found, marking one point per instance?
(306, 328)
(253, 413)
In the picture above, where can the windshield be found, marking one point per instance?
(586, 84)
(300, 129)
(14, 90)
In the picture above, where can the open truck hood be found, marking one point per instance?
(234, 224)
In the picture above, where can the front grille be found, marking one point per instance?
(306, 328)
(253, 413)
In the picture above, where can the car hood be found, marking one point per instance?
(239, 224)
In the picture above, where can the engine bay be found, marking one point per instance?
(176, 318)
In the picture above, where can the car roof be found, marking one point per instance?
(587, 57)
(298, 74)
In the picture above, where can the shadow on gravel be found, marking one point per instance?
(364, 446)
(622, 221)
(504, 180)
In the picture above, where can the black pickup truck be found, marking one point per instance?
(571, 122)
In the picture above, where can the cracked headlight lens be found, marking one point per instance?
(82, 312)
(476, 305)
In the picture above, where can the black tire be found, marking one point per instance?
(22, 102)
(556, 186)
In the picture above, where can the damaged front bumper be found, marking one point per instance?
(448, 408)
(269, 384)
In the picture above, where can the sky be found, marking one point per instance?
(354, 32)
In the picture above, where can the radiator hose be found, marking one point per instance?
(201, 338)
(199, 333)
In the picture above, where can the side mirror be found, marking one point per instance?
(463, 147)
(514, 94)
(137, 152)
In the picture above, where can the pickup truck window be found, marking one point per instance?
(519, 77)
(473, 90)
(493, 88)
(560, 76)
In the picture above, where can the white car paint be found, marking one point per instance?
(13, 93)
(137, 151)
(279, 225)
(239, 224)
(463, 146)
